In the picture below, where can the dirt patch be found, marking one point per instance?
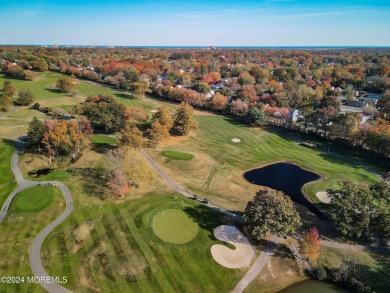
(81, 233)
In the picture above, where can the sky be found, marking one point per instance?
(196, 23)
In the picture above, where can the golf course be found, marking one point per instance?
(155, 239)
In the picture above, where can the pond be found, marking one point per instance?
(310, 286)
(288, 178)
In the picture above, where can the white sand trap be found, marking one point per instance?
(236, 140)
(232, 258)
(154, 111)
(323, 196)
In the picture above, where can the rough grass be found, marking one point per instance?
(123, 254)
(7, 183)
(103, 139)
(34, 199)
(177, 155)
(174, 226)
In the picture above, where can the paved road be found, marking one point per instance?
(13, 109)
(35, 249)
(258, 265)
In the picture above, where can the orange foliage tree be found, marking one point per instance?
(310, 245)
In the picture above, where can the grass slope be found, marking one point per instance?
(119, 252)
(103, 139)
(34, 199)
(174, 226)
(177, 155)
(7, 183)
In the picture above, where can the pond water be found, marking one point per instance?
(288, 178)
(310, 286)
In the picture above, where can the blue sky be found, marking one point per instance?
(202, 23)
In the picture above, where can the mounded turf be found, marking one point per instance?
(174, 226)
(177, 155)
(33, 199)
(103, 139)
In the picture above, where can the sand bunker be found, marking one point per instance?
(229, 258)
(236, 140)
(323, 196)
(154, 111)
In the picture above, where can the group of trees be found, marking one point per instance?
(24, 98)
(361, 210)
(239, 82)
(59, 138)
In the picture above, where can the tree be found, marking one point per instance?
(35, 132)
(139, 88)
(310, 245)
(218, 101)
(40, 65)
(65, 84)
(245, 78)
(135, 116)
(351, 209)
(184, 119)
(131, 136)
(25, 97)
(164, 117)
(5, 102)
(257, 116)
(9, 89)
(270, 211)
(105, 113)
(202, 87)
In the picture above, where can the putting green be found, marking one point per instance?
(174, 226)
(33, 199)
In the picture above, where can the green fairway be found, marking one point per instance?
(33, 199)
(174, 226)
(103, 139)
(115, 248)
(177, 155)
(7, 183)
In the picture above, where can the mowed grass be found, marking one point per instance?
(103, 139)
(119, 251)
(177, 155)
(174, 226)
(34, 199)
(17, 232)
(262, 146)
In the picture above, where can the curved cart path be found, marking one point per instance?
(35, 249)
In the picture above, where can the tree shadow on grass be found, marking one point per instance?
(125, 96)
(54, 91)
(93, 181)
(207, 218)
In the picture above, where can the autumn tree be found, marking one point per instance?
(202, 87)
(25, 97)
(9, 89)
(65, 84)
(64, 138)
(35, 132)
(117, 181)
(310, 245)
(184, 119)
(5, 103)
(161, 124)
(139, 88)
(135, 116)
(131, 136)
(270, 211)
(218, 102)
(245, 78)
